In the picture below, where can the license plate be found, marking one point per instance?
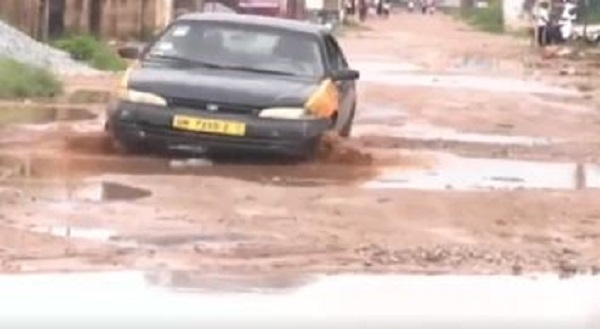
(210, 126)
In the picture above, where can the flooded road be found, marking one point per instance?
(455, 165)
(348, 301)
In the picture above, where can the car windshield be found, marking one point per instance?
(241, 47)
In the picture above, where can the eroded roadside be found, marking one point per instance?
(497, 176)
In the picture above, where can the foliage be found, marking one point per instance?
(592, 12)
(488, 19)
(88, 49)
(19, 80)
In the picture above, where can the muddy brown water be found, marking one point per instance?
(41, 115)
(80, 166)
(92, 154)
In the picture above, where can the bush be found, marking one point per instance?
(591, 13)
(19, 80)
(88, 49)
(490, 19)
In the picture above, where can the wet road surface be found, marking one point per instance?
(462, 170)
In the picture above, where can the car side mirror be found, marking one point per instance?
(131, 51)
(345, 75)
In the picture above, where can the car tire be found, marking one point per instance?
(346, 130)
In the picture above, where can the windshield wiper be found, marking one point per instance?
(188, 61)
(257, 70)
(193, 62)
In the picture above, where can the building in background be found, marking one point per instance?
(125, 19)
(121, 19)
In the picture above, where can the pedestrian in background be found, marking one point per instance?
(542, 21)
(362, 10)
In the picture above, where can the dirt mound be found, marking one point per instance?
(334, 149)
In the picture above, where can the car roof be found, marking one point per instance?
(257, 20)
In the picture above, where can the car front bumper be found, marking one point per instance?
(148, 125)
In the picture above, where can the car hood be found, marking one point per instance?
(226, 86)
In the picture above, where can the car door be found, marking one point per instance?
(347, 88)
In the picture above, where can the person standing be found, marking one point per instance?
(542, 21)
(362, 10)
(567, 17)
(379, 7)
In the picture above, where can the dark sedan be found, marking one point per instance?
(235, 82)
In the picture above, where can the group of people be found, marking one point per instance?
(382, 8)
(554, 29)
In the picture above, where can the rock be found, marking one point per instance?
(19, 46)
(517, 269)
(567, 269)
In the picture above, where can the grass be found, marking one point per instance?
(488, 19)
(90, 50)
(19, 80)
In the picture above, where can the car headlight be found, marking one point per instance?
(293, 113)
(133, 96)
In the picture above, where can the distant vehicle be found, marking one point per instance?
(235, 82)
(293, 9)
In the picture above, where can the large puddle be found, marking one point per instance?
(48, 178)
(450, 172)
(343, 301)
(407, 74)
(84, 191)
(425, 132)
(35, 167)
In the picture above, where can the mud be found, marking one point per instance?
(335, 150)
(28, 114)
(45, 166)
(85, 96)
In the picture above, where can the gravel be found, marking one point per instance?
(19, 46)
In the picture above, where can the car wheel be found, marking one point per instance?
(346, 130)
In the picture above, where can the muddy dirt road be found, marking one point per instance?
(483, 161)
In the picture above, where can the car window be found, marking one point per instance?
(235, 45)
(335, 54)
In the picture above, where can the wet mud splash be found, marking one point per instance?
(338, 161)
(73, 167)
(335, 150)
